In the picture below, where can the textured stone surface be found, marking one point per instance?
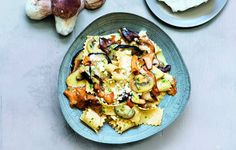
(30, 56)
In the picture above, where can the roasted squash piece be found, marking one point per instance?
(72, 81)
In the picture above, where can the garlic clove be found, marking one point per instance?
(38, 9)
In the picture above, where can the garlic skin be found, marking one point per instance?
(93, 4)
(38, 9)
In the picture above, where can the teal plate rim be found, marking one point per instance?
(107, 134)
(185, 23)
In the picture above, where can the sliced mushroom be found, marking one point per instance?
(72, 96)
(157, 72)
(79, 98)
(124, 111)
(147, 106)
(99, 57)
(104, 44)
(163, 85)
(146, 41)
(165, 69)
(109, 98)
(87, 77)
(155, 92)
(136, 99)
(128, 35)
(172, 91)
(142, 82)
(134, 65)
(72, 80)
(130, 103)
(86, 61)
(135, 49)
(148, 59)
(148, 96)
(76, 61)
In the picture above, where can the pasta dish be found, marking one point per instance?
(119, 79)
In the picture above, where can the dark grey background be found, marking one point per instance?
(30, 56)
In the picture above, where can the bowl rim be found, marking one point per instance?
(186, 24)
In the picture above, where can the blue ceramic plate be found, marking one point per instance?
(173, 106)
(189, 18)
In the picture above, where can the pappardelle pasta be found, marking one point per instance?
(119, 79)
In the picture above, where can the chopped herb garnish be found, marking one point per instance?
(138, 79)
(163, 81)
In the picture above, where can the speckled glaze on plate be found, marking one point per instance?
(173, 106)
(189, 18)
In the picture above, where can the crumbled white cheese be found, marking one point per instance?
(100, 67)
(127, 88)
(142, 71)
